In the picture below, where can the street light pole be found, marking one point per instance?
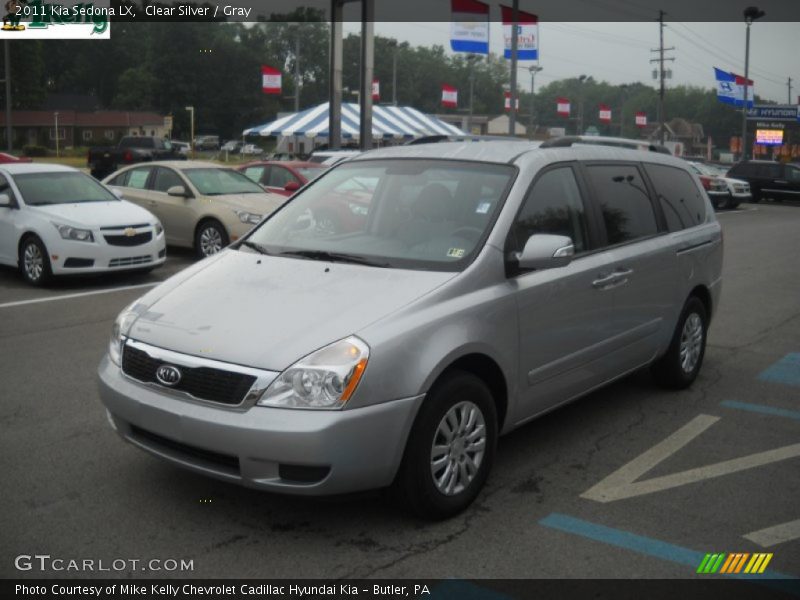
(533, 71)
(191, 128)
(581, 79)
(56, 118)
(471, 58)
(751, 13)
(7, 80)
(394, 74)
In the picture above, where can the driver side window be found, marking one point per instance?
(553, 206)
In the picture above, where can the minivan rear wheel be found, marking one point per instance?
(679, 367)
(450, 449)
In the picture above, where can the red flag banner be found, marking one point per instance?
(376, 90)
(641, 119)
(605, 113)
(562, 107)
(507, 101)
(270, 80)
(449, 96)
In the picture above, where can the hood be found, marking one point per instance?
(268, 312)
(97, 214)
(262, 204)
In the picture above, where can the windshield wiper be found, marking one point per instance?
(334, 257)
(257, 247)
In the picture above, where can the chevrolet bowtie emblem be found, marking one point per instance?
(130, 231)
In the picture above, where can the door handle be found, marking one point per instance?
(606, 281)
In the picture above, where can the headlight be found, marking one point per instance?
(248, 217)
(71, 233)
(159, 228)
(120, 329)
(324, 379)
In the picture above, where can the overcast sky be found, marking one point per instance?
(620, 52)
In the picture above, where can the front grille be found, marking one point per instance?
(130, 260)
(136, 239)
(216, 385)
(192, 454)
(118, 227)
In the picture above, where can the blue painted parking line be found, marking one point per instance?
(762, 408)
(785, 371)
(656, 548)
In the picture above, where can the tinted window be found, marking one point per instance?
(165, 179)
(792, 173)
(769, 171)
(683, 204)
(553, 206)
(622, 196)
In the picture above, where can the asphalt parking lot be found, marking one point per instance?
(628, 482)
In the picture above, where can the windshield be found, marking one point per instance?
(217, 182)
(68, 187)
(418, 214)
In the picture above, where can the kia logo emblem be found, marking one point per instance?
(168, 375)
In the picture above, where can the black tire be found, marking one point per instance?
(34, 261)
(756, 196)
(209, 238)
(733, 204)
(415, 484)
(673, 370)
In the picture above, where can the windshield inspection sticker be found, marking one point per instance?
(455, 252)
(483, 208)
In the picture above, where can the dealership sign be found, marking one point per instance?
(774, 112)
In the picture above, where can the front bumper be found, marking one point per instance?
(269, 448)
(99, 257)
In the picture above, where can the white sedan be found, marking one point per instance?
(55, 220)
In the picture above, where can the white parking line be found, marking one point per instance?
(777, 534)
(78, 295)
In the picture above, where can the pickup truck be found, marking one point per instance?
(131, 149)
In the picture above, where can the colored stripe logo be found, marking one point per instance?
(736, 562)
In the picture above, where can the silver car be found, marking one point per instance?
(471, 288)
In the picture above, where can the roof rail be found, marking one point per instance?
(569, 140)
(433, 139)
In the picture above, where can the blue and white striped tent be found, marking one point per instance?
(388, 122)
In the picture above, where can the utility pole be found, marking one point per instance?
(297, 83)
(534, 69)
(394, 74)
(661, 73)
(512, 112)
(789, 95)
(751, 13)
(471, 58)
(367, 65)
(7, 80)
(335, 78)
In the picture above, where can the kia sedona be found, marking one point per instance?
(55, 220)
(485, 285)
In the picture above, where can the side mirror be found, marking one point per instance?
(546, 251)
(117, 193)
(5, 201)
(291, 186)
(177, 190)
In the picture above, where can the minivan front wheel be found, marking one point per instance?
(450, 449)
(679, 367)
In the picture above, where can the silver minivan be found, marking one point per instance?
(466, 289)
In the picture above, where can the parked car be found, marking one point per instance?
(714, 186)
(131, 149)
(488, 285)
(767, 179)
(183, 148)
(738, 189)
(206, 142)
(232, 147)
(281, 177)
(55, 220)
(251, 150)
(202, 205)
(10, 158)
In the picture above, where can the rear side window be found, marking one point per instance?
(769, 171)
(623, 199)
(553, 206)
(137, 178)
(681, 201)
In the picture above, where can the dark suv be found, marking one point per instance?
(769, 179)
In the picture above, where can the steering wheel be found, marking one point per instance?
(472, 234)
